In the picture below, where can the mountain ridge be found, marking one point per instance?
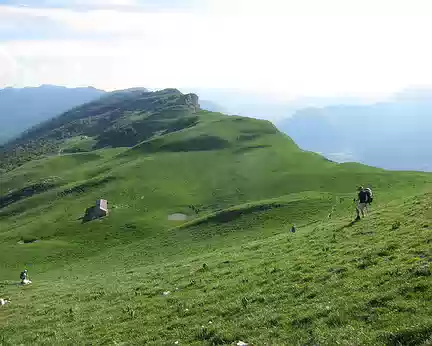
(22, 108)
(115, 119)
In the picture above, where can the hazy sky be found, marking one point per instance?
(286, 47)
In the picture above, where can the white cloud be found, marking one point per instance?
(284, 47)
(105, 2)
(72, 3)
(320, 7)
(8, 66)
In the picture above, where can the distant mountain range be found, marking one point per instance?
(22, 108)
(393, 135)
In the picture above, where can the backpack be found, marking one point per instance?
(370, 195)
(23, 276)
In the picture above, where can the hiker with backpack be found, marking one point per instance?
(364, 199)
(24, 278)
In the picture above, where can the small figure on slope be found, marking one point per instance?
(24, 278)
(364, 198)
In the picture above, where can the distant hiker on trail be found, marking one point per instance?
(363, 200)
(293, 229)
(24, 278)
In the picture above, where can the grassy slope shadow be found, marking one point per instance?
(296, 210)
(25, 192)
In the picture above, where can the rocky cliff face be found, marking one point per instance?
(192, 100)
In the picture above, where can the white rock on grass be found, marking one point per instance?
(4, 301)
(242, 343)
(166, 293)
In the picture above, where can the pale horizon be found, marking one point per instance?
(282, 49)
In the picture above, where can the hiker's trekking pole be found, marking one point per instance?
(356, 209)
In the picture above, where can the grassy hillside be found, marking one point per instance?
(234, 271)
